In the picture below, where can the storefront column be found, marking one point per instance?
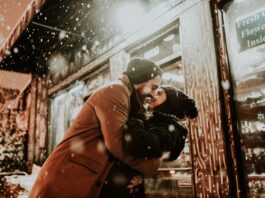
(210, 176)
(32, 123)
(37, 135)
(118, 64)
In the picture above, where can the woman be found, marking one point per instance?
(161, 131)
(149, 136)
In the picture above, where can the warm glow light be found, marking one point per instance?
(130, 16)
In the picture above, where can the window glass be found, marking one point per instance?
(245, 33)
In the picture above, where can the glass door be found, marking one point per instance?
(174, 178)
(245, 34)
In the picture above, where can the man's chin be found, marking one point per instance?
(150, 106)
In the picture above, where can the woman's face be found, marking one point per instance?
(158, 97)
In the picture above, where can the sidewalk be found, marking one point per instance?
(21, 183)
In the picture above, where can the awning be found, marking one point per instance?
(14, 18)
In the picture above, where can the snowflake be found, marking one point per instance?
(16, 50)
(127, 137)
(171, 128)
(84, 47)
(101, 147)
(96, 42)
(225, 85)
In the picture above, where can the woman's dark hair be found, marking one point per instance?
(177, 103)
(141, 70)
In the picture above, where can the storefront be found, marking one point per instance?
(179, 36)
(212, 49)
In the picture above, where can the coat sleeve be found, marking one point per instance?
(148, 141)
(111, 105)
(180, 141)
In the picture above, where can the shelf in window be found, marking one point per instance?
(252, 105)
(250, 113)
(255, 81)
(257, 87)
(256, 177)
(254, 143)
(174, 169)
(256, 136)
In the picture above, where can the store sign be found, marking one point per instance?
(251, 30)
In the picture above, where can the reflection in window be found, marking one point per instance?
(173, 178)
(245, 33)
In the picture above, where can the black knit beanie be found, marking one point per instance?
(177, 103)
(141, 70)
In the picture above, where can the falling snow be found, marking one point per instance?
(16, 50)
(77, 146)
(127, 137)
(101, 147)
(97, 42)
(225, 85)
(171, 128)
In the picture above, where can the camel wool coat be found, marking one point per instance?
(80, 163)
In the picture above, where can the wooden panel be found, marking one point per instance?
(207, 146)
(41, 121)
(32, 114)
(37, 142)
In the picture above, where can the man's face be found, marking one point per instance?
(159, 96)
(147, 88)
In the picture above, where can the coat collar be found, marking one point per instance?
(136, 103)
(126, 81)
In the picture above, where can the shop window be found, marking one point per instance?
(173, 178)
(245, 33)
(63, 110)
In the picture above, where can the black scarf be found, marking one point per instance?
(135, 104)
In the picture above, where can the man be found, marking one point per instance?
(80, 163)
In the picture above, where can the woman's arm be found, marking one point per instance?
(180, 142)
(148, 140)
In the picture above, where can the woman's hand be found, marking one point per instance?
(135, 181)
